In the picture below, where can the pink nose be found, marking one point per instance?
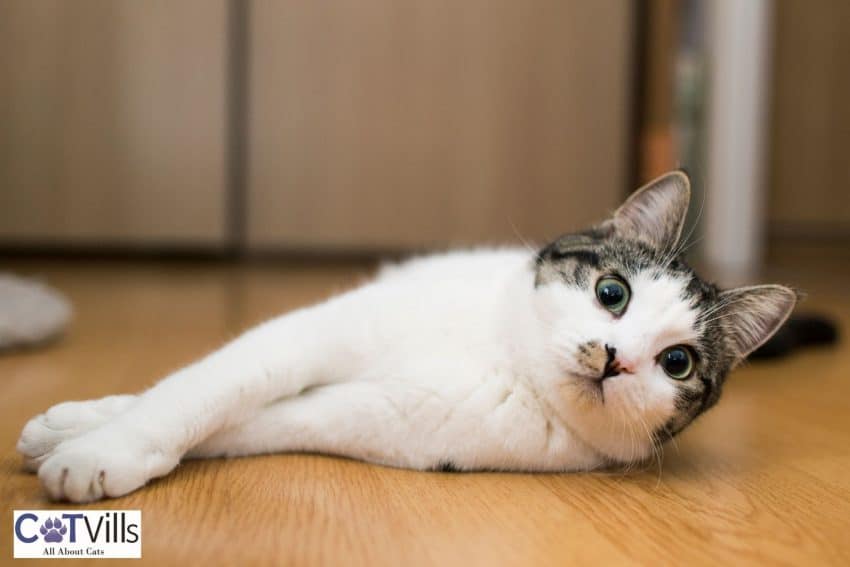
(626, 365)
(617, 364)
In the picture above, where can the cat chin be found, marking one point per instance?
(603, 416)
(630, 459)
(621, 446)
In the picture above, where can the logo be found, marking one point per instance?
(91, 534)
(53, 530)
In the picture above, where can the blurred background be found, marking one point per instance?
(229, 128)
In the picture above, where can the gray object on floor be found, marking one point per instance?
(31, 313)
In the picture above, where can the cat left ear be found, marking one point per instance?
(751, 315)
(655, 213)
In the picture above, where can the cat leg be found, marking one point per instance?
(273, 361)
(361, 420)
(401, 424)
(43, 433)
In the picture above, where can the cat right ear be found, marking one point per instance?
(655, 213)
(751, 315)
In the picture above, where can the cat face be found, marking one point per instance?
(641, 343)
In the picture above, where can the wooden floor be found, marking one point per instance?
(764, 478)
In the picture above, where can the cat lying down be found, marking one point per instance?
(586, 353)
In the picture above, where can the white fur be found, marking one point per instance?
(450, 358)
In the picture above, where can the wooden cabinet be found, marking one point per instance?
(112, 122)
(389, 124)
(371, 125)
(809, 195)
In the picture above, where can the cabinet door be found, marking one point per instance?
(809, 169)
(392, 124)
(112, 121)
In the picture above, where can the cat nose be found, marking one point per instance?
(625, 365)
(614, 366)
(611, 367)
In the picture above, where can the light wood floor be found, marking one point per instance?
(763, 478)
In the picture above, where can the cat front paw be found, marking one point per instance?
(43, 433)
(108, 462)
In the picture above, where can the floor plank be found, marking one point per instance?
(760, 479)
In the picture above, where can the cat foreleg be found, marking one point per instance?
(275, 360)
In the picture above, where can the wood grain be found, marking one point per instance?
(761, 479)
(112, 122)
(400, 124)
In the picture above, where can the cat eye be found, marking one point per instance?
(677, 362)
(613, 293)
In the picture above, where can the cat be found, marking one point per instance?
(584, 354)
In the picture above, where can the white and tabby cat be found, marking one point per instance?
(583, 354)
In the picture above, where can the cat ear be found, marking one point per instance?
(751, 315)
(655, 213)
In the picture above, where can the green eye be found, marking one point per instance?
(677, 362)
(613, 293)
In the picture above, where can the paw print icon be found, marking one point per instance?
(53, 530)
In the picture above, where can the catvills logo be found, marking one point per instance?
(55, 534)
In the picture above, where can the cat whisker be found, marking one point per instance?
(528, 246)
(684, 245)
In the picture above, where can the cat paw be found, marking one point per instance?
(64, 421)
(108, 462)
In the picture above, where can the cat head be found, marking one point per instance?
(642, 343)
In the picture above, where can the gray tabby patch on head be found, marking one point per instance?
(646, 228)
